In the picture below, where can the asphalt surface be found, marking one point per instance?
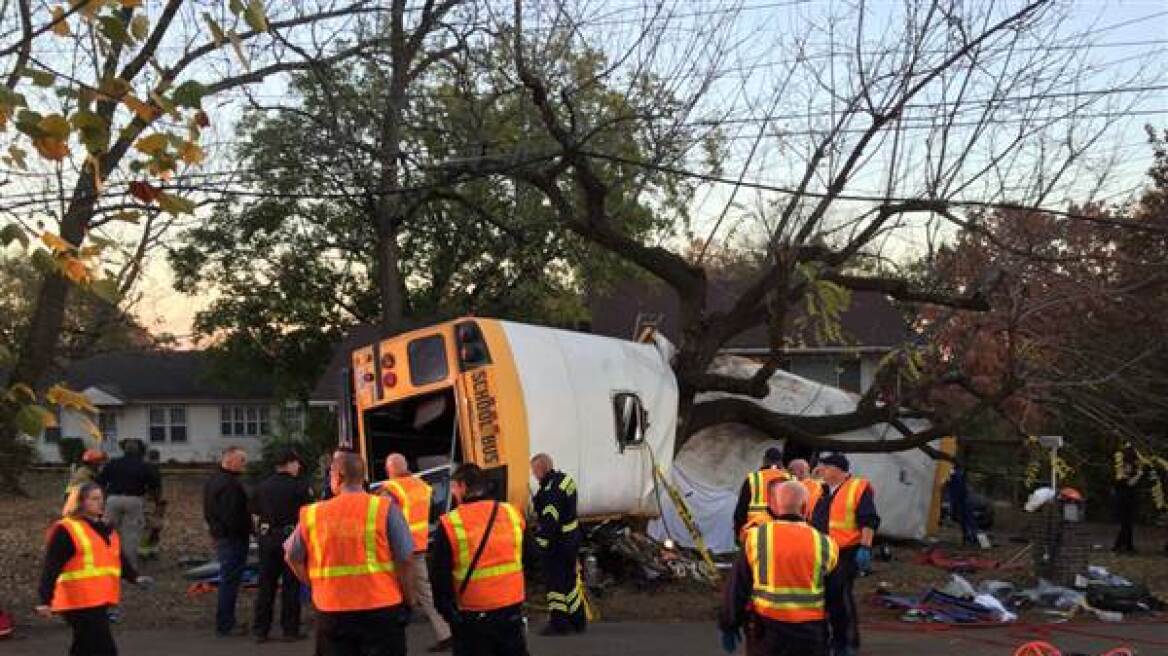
(645, 639)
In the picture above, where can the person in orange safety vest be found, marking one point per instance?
(777, 588)
(478, 570)
(415, 496)
(751, 508)
(847, 512)
(83, 569)
(801, 471)
(355, 551)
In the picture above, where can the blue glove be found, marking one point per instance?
(730, 640)
(864, 559)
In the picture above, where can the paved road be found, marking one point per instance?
(641, 639)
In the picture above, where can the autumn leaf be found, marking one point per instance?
(128, 216)
(191, 153)
(75, 270)
(18, 157)
(255, 16)
(55, 243)
(32, 419)
(201, 119)
(153, 145)
(13, 232)
(21, 390)
(67, 398)
(216, 31)
(88, 8)
(237, 45)
(144, 191)
(140, 27)
(131, 4)
(60, 25)
(50, 148)
(144, 111)
(175, 204)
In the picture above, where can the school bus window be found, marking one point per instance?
(427, 357)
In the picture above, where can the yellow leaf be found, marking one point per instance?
(65, 397)
(55, 126)
(153, 144)
(60, 25)
(55, 243)
(89, 8)
(48, 419)
(20, 389)
(91, 428)
(191, 153)
(140, 26)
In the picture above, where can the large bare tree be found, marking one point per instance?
(904, 122)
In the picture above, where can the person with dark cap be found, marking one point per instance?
(1127, 479)
(276, 506)
(846, 511)
(751, 509)
(127, 482)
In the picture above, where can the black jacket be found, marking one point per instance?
(277, 501)
(130, 476)
(225, 506)
(61, 549)
(555, 506)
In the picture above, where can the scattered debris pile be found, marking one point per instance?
(622, 554)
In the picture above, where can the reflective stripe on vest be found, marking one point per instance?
(759, 481)
(497, 579)
(842, 519)
(414, 496)
(789, 562)
(349, 560)
(91, 577)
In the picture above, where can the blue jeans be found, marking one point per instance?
(232, 556)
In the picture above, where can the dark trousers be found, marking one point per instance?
(91, 632)
(770, 638)
(378, 632)
(1125, 510)
(232, 556)
(564, 597)
(274, 572)
(497, 633)
(841, 602)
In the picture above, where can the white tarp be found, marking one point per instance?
(711, 467)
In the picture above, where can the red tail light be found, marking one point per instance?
(389, 379)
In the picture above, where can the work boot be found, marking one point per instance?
(440, 646)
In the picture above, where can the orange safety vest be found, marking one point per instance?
(92, 577)
(814, 491)
(789, 562)
(842, 520)
(497, 579)
(414, 496)
(350, 565)
(756, 512)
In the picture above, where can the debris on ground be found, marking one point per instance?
(936, 557)
(622, 554)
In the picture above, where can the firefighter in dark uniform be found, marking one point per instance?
(846, 512)
(558, 537)
(276, 505)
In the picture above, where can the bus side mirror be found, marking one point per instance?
(631, 420)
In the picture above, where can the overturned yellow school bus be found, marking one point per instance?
(496, 392)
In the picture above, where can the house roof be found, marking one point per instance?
(870, 321)
(156, 375)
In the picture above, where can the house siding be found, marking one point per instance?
(204, 444)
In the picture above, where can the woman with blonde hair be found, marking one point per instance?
(83, 571)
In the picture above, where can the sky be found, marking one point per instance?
(1125, 80)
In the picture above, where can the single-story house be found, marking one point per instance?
(871, 327)
(168, 400)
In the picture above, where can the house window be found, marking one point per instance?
(293, 419)
(168, 423)
(107, 423)
(245, 421)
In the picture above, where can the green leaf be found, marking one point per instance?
(175, 204)
(9, 99)
(140, 27)
(236, 7)
(40, 78)
(114, 29)
(29, 122)
(189, 94)
(216, 31)
(11, 233)
(106, 289)
(17, 155)
(32, 419)
(43, 261)
(255, 16)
